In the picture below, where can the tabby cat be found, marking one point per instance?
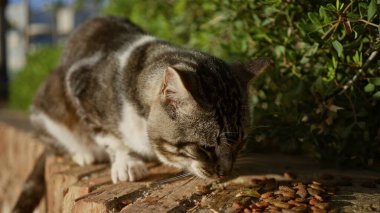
(122, 94)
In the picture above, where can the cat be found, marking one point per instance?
(122, 94)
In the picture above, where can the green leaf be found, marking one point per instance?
(375, 81)
(279, 51)
(314, 18)
(357, 58)
(371, 9)
(376, 96)
(337, 4)
(369, 87)
(338, 47)
(330, 73)
(323, 14)
(334, 62)
(341, 6)
(335, 108)
(330, 7)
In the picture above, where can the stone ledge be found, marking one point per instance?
(71, 188)
(18, 153)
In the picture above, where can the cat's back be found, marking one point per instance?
(99, 34)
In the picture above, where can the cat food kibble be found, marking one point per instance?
(268, 195)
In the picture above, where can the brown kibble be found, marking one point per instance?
(268, 199)
(331, 193)
(322, 205)
(327, 176)
(266, 195)
(295, 203)
(287, 211)
(317, 210)
(318, 197)
(282, 198)
(300, 200)
(290, 175)
(274, 209)
(248, 193)
(247, 210)
(237, 205)
(297, 197)
(286, 189)
(252, 206)
(368, 184)
(299, 186)
(316, 187)
(299, 209)
(280, 204)
(302, 192)
(303, 205)
(313, 192)
(261, 204)
(313, 202)
(288, 194)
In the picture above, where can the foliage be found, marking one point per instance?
(317, 55)
(323, 92)
(26, 82)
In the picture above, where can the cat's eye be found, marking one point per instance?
(208, 150)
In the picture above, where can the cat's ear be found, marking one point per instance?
(250, 69)
(173, 87)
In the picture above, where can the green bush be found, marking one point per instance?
(25, 83)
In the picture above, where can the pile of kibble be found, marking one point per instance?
(268, 195)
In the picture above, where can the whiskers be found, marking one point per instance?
(178, 176)
(226, 133)
(261, 126)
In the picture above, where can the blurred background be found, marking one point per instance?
(321, 98)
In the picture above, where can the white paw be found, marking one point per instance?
(126, 168)
(83, 158)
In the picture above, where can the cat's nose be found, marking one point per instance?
(222, 172)
(222, 176)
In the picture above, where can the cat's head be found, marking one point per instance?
(199, 120)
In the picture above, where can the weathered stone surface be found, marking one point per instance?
(18, 153)
(61, 176)
(71, 188)
(175, 196)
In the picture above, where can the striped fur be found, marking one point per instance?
(120, 91)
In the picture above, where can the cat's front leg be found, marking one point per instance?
(125, 166)
(83, 157)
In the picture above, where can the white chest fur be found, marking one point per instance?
(134, 131)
